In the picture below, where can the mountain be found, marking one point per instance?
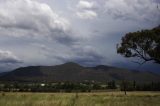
(76, 73)
(3, 73)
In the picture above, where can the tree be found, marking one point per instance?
(111, 85)
(144, 44)
(123, 86)
(134, 85)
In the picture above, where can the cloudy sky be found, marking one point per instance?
(50, 32)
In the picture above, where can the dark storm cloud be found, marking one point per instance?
(85, 55)
(9, 60)
(91, 59)
(157, 1)
(150, 66)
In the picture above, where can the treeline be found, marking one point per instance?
(57, 87)
(78, 87)
(133, 86)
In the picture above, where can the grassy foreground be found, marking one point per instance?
(81, 99)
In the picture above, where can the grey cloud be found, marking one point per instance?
(85, 4)
(85, 9)
(157, 1)
(87, 14)
(30, 18)
(82, 54)
(85, 33)
(85, 55)
(140, 10)
(7, 57)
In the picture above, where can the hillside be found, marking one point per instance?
(75, 73)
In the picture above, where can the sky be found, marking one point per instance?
(51, 32)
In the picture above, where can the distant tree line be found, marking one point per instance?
(78, 87)
(133, 86)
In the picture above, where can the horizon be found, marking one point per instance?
(52, 32)
(81, 66)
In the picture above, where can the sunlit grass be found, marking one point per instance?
(81, 99)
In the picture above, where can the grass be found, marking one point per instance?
(81, 99)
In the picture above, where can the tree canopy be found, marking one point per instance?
(144, 44)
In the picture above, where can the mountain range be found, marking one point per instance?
(74, 72)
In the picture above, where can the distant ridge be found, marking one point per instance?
(74, 72)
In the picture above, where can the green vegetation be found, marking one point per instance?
(81, 99)
(144, 45)
(79, 87)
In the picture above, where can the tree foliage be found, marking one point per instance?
(144, 44)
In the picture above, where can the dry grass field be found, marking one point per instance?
(81, 99)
